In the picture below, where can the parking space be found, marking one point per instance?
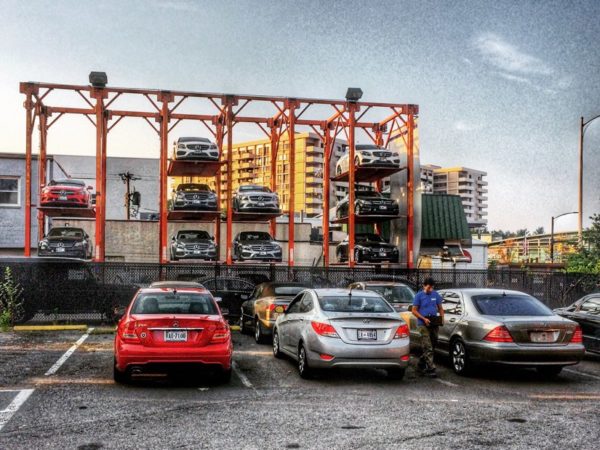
(267, 405)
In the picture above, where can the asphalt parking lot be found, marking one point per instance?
(50, 401)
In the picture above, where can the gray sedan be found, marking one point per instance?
(325, 328)
(508, 328)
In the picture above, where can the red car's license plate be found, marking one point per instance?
(175, 336)
(367, 335)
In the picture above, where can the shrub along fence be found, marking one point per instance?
(59, 290)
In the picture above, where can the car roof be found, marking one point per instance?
(69, 180)
(159, 290)
(484, 291)
(176, 284)
(283, 283)
(192, 138)
(383, 283)
(321, 292)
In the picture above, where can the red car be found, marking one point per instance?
(170, 327)
(66, 192)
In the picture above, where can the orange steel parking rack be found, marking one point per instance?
(162, 115)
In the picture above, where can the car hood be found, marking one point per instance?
(194, 241)
(264, 194)
(254, 242)
(63, 239)
(60, 187)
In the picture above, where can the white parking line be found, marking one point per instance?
(447, 383)
(52, 370)
(583, 374)
(243, 378)
(21, 397)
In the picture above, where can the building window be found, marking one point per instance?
(9, 191)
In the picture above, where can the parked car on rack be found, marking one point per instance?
(511, 328)
(66, 192)
(254, 198)
(193, 244)
(67, 242)
(586, 312)
(368, 247)
(165, 328)
(195, 196)
(368, 155)
(195, 148)
(265, 304)
(326, 328)
(368, 203)
(256, 246)
(399, 295)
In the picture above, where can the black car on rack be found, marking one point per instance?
(256, 246)
(586, 312)
(194, 197)
(193, 244)
(66, 242)
(368, 247)
(368, 203)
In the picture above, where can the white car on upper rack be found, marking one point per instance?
(368, 155)
(195, 148)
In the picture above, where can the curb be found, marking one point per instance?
(234, 327)
(50, 327)
(104, 330)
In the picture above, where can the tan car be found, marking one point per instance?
(264, 305)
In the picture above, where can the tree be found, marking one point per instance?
(587, 259)
(522, 232)
(539, 230)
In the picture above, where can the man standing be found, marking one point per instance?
(426, 306)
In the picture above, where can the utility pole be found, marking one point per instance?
(582, 127)
(127, 178)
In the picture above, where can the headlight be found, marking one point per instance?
(213, 146)
(366, 249)
(395, 250)
(78, 244)
(180, 196)
(43, 245)
(180, 246)
(181, 146)
(246, 247)
(245, 198)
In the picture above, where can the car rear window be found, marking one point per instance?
(354, 303)
(394, 294)
(510, 305)
(170, 303)
(288, 290)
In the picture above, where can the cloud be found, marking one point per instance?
(461, 125)
(513, 64)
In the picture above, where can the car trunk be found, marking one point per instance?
(539, 330)
(176, 330)
(364, 328)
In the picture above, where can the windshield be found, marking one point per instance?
(77, 183)
(510, 305)
(368, 194)
(254, 189)
(179, 303)
(394, 294)
(255, 236)
(369, 238)
(354, 303)
(368, 147)
(193, 139)
(193, 187)
(66, 233)
(192, 235)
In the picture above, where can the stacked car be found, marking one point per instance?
(194, 197)
(67, 242)
(66, 192)
(193, 244)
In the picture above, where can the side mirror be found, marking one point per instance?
(173, 191)
(173, 238)
(90, 188)
(218, 299)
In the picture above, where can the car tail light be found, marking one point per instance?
(499, 334)
(129, 332)
(324, 329)
(402, 332)
(221, 334)
(326, 357)
(405, 358)
(577, 336)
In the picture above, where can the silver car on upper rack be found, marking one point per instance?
(504, 327)
(196, 148)
(325, 328)
(255, 198)
(368, 155)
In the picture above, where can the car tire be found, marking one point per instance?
(243, 328)
(276, 350)
(259, 335)
(303, 368)
(357, 257)
(118, 376)
(459, 358)
(396, 374)
(338, 171)
(549, 371)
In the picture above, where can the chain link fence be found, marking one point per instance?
(73, 291)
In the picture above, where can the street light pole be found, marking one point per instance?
(552, 232)
(582, 129)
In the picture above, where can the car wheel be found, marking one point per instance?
(259, 336)
(276, 351)
(396, 374)
(303, 368)
(459, 357)
(243, 327)
(357, 256)
(339, 170)
(118, 376)
(549, 371)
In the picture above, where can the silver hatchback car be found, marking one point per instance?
(326, 328)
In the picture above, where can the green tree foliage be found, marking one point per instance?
(587, 259)
(11, 300)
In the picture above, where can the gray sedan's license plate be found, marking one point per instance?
(175, 336)
(367, 335)
(543, 336)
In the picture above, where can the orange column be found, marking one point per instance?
(352, 107)
(410, 223)
(99, 95)
(165, 98)
(291, 108)
(328, 146)
(274, 147)
(42, 166)
(219, 137)
(229, 101)
(27, 90)
(379, 182)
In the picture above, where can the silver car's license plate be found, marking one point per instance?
(543, 336)
(383, 207)
(367, 335)
(196, 202)
(175, 336)
(261, 204)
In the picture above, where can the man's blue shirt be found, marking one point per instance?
(427, 304)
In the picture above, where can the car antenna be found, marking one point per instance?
(174, 291)
(350, 296)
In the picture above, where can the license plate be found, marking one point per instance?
(196, 202)
(367, 335)
(60, 249)
(196, 252)
(382, 253)
(543, 336)
(62, 197)
(175, 336)
(263, 253)
(383, 207)
(261, 204)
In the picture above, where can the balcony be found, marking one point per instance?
(482, 183)
(316, 159)
(314, 190)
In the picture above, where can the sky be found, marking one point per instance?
(500, 85)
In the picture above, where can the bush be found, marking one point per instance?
(11, 301)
